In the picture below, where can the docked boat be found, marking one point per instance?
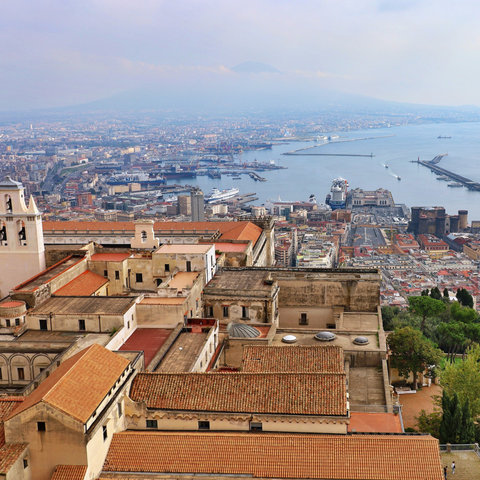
(337, 198)
(221, 195)
(142, 178)
(455, 185)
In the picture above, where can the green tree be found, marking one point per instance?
(435, 293)
(425, 307)
(451, 424)
(464, 298)
(445, 293)
(463, 378)
(467, 431)
(429, 422)
(425, 293)
(412, 353)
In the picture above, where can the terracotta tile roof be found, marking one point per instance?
(301, 359)
(9, 454)
(274, 393)
(229, 230)
(79, 384)
(353, 457)
(86, 284)
(69, 472)
(7, 406)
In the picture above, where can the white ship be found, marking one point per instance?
(219, 196)
(338, 196)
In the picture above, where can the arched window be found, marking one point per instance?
(144, 236)
(22, 234)
(3, 233)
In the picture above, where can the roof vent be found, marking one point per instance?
(241, 330)
(361, 341)
(289, 339)
(325, 336)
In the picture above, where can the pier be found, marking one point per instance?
(331, 154)
(295, 152)
(257, 177)
(432, 165)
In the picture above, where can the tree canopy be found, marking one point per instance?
(424, 307)
(412, 353)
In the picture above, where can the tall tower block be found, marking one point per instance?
(22, 253)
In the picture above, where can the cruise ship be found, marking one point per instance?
(338, 196)
(221, 195)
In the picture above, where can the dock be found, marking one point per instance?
(432, 165)
(242, 199)
(331, 154)
(256, 177)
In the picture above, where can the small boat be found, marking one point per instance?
(386, 166)
(443, 136)
(399, 178)
(236, 178)
(455, 185)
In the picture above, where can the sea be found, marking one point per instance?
(397, 147)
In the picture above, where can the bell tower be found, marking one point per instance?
(22, 253)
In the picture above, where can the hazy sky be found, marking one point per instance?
(63, 52)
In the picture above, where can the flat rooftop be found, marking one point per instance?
(231, 247)
(110, 257)
(239, 280)
(183, 280)
(48, 274)
(353, 321)
(163, 301)
(147, 340)
(361, 422)
(49, 336)
(183, 354)
(184, 249)
(84, 306)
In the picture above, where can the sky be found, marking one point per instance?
(66, 52)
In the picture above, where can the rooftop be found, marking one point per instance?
(163, 301)
(86, 284)
(362, 422)
(301, 359)
(48, 274)
(84, 306)
(184, 249)
(147, 340)
(183, 353)
(183, 280)
(79, 384)
(69, 472)
(240, 280)
(263, 455)
(109, 257)
(270, 393)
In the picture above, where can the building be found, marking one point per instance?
(185, 205)
(433, 245)
(433, 220)
(22, 252)
(377, 198)
(71, 417)
(197, 205)
(406, 242)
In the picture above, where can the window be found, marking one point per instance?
(303, 319)
(203, 425)
(139, 277)
(119, 409)
(117, 275)
(152, 424)
(7, 322)
(255, 427)
(167, 267)
(17, 322)
(43, 324)
(25, 463)
(105, 273)
(225, 311)
(105, 432)
(1, 374)
(244, 312)
(159, 282)
(209, 310)
(41, 427)
(21, 373)
(128, 324)
(81, 325)
(189, 266)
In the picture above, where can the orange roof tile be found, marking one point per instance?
(229, 230)
(263, 455)
(301, 359)
(85, 285)
(69, 472)
(9, 454)
(79, 384)
(274, 393)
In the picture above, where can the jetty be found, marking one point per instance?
(331, 154)
(433, 166)
(256, 177)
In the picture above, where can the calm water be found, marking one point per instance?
(419, 186)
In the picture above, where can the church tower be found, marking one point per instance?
(22, 253)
